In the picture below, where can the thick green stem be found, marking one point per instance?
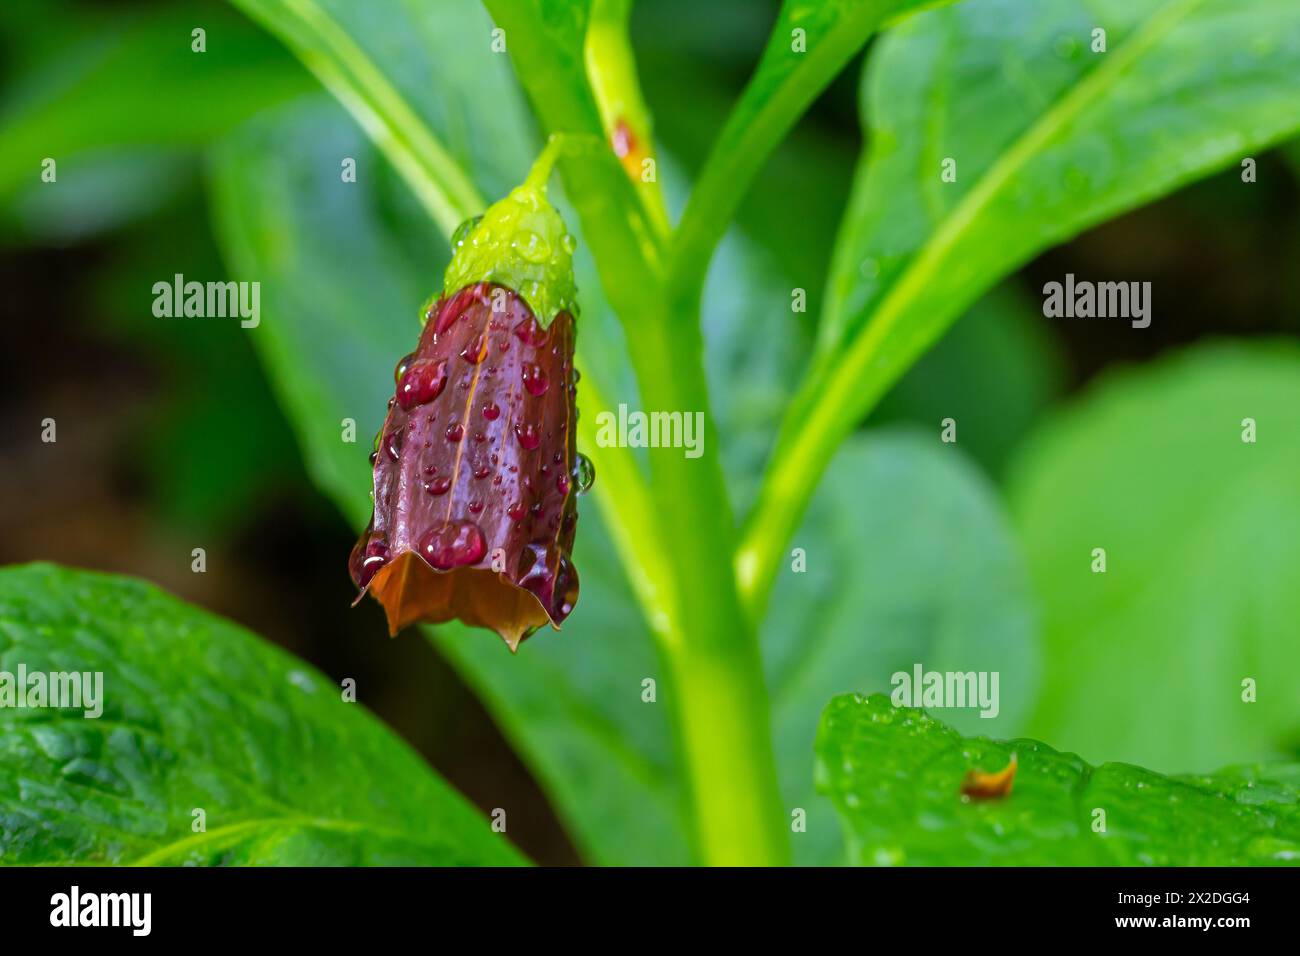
(716, 682)
(717, 686)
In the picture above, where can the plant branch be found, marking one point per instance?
(611, 70)
(782, 88)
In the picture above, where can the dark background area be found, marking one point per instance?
(169, 440)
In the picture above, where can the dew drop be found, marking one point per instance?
(535, 379)
(438, 485)
(402, 365)
(584, 473)
(476, 349)
(463, 230)
(492, 411)
(528, 435)
(368, 560)
(530, 332)
(393, 444)
(453, 545)
(455, 432)
(421, 383)
(533, 247)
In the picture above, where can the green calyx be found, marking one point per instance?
(520, 243)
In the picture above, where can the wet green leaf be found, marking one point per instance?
(198, 714)
(904, 558)
(121, 107)
(810, 43)
(1043, 138)
(1147, 661)
(895, 776)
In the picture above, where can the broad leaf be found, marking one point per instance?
(198, 714)
(904, 559)
(374, 58)
(121, 106)
(895, 776)
(1048, 138)
(1153, 660)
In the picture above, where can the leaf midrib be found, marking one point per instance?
(157, 856)
(922, 270)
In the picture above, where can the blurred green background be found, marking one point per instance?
(171, 436)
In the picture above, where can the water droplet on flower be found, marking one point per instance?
(463, 230)
(570, 244)
(393, 444)
(455, 431)
(422, 382)
(533, 247)
(368, 560)
(584, 473)
(438, 485)
(475, 506)
(562, 483)
(535, 379)
(403, 364)
(516, 511)
(452, 545)
(566, 586)
(530, 332)
(525, 197)
(476, 349)
(492, 411)
(527, 434)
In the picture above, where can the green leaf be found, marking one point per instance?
(895, 775)
(934, 579)
(340, 290)
(1049, 139)
(810, 43)
(1201, 532)
(199, 714)
(373, 58)
(118, 108)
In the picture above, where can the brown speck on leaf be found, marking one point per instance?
(980, 785)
